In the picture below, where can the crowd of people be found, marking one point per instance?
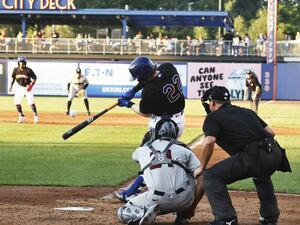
(230, 43)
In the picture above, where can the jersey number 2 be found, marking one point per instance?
(171, 91)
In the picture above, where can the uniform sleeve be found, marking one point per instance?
(135, 155)
(167, 69)
(32, 74)
(193, 162)
(260, 120)
(14, 73)
(139, 86)
(86, 80)
(211, 127)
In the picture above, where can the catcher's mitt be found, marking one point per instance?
(81, 93)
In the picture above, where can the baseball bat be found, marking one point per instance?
(82, 125)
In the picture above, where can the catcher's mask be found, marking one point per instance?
(130, 214)
(141, 68)
(165, 128)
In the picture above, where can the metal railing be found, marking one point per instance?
(143, 47)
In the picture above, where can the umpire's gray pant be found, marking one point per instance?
(253, 161)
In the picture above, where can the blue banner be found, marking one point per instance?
(115, 90)
(272, 23)
(267, 75)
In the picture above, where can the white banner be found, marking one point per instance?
(202, 76)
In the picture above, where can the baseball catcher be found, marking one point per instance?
(167, 169)
(77, 87)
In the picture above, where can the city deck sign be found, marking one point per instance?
(37, 5)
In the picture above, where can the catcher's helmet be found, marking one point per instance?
(78, 70)
(141, 68)
(22, 59)
(165, 128)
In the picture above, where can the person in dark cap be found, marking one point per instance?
(253, 153)
(253, 85)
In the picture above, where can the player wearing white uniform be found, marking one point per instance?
(167, 169)
(25, 79)
(77, 86)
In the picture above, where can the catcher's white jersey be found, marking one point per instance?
(78, 83)
(167, 179)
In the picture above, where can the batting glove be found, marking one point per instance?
(129, 94)
(125, 103)
(30, 86)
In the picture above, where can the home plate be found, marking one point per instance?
(77, 208)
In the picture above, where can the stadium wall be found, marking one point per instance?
(112, 78)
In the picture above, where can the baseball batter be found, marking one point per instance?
(25, 79)
(162, 95)
(167, 168)
(77, 86)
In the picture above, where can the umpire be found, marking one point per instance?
(253, 153)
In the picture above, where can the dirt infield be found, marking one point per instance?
(35, 205)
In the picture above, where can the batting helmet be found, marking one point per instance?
(22, 59)
(141, 68)
(165, 128)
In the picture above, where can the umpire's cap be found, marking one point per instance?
(220, 93)
(78, 70)
(141, 68)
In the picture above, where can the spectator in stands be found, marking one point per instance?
(19, 40)
(79, 42)
(200, 46)
(137, 40)
(246, 43)
(298, 36)
(227, 38)
(236, 44)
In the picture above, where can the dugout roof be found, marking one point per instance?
(120, 17)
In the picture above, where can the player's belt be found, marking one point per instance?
(161, 193)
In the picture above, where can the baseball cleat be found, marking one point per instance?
(150, 215)
(36, 119)
(232, 221)
(267, 221)
(180, 219)
(67, 113)
(88, 113)
(21, 119)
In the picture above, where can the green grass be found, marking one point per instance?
(37, 155)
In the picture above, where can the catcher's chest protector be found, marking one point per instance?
(164, 157)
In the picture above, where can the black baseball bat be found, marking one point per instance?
(82, 125)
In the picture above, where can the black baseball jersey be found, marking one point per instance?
(23, 77)
(253, 82)
(234, 127)
(163, 95)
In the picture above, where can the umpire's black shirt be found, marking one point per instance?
(163, 95)
(234, 127)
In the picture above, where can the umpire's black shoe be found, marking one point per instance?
(231, 221)
(268, 221)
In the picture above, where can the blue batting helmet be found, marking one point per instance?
(141, 68)
(22, 59)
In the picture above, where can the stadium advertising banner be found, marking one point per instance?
(202, 76)
(106, 79)
(3, 88)
(267, 81)
(38, 4)
(113, 79)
